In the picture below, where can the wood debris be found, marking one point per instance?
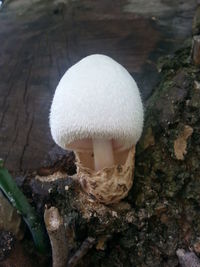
(57, 235)
(81, 252)
(180, 144)
(187, 259)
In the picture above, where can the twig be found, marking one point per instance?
(196, 50)
(57, 235)
(187, 259)
(81, 252)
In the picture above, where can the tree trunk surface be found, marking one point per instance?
(41, 39)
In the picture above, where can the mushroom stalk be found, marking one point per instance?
(103, 153)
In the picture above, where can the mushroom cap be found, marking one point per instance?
(96, 98)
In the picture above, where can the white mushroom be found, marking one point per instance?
(97, 112)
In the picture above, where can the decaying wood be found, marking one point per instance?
(196, 22)
(196, 50)
(57, 235)
(180, 144)
(187, 259)
(81, 252)
(10, 220)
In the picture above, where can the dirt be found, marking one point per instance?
(7, 241)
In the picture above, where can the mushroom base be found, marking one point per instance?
(108, 185)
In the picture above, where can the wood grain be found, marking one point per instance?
(40, 40)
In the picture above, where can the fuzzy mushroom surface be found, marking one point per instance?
(97, 112)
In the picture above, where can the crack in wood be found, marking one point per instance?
(3, 115)
(27, 82)
(13, 76)
(12, 145)
(26, 145)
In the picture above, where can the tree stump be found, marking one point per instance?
(161, 212)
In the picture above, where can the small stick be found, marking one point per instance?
(187, 259)
(196, 50)
(57, 235)
(82, 251)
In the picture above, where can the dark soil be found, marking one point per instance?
(7, 241)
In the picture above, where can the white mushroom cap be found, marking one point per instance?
(96, 98)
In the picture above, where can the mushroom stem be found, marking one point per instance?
(103, 153)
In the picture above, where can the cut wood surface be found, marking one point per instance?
(39, 40)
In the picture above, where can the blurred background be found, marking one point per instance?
(40, 40)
